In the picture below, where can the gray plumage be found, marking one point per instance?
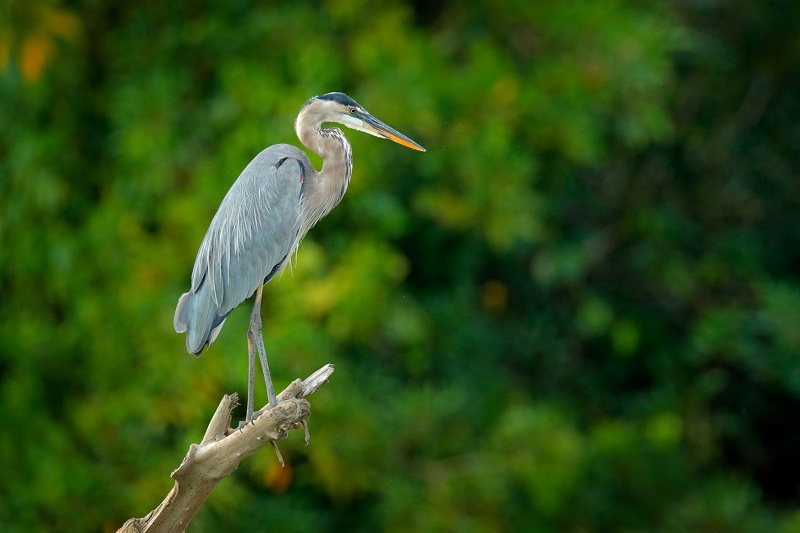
(250, 238)
(268, 210)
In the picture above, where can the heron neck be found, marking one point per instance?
(324, 189)
(330, 144)
(337, 158)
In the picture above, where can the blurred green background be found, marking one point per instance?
(577, 312)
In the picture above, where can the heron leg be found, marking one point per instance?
(255, 331)
(251, 371)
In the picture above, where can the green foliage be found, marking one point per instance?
(576, 312)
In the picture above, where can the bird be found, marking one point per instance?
(275, 201)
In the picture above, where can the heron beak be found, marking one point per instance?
(375, 127)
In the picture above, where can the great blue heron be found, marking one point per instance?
(277, 198)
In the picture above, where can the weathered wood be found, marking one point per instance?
(222, 450)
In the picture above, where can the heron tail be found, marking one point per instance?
(198, 320)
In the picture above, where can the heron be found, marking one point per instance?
(268, 210)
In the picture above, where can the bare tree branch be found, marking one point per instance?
(221, 451)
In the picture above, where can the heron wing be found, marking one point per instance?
(248, 240)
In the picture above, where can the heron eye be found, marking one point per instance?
(352, 110)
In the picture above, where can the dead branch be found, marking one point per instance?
(221, 451)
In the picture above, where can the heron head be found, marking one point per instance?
(340, 108)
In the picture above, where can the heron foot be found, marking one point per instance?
(297, 404)
(243, 423)
(302, 423)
